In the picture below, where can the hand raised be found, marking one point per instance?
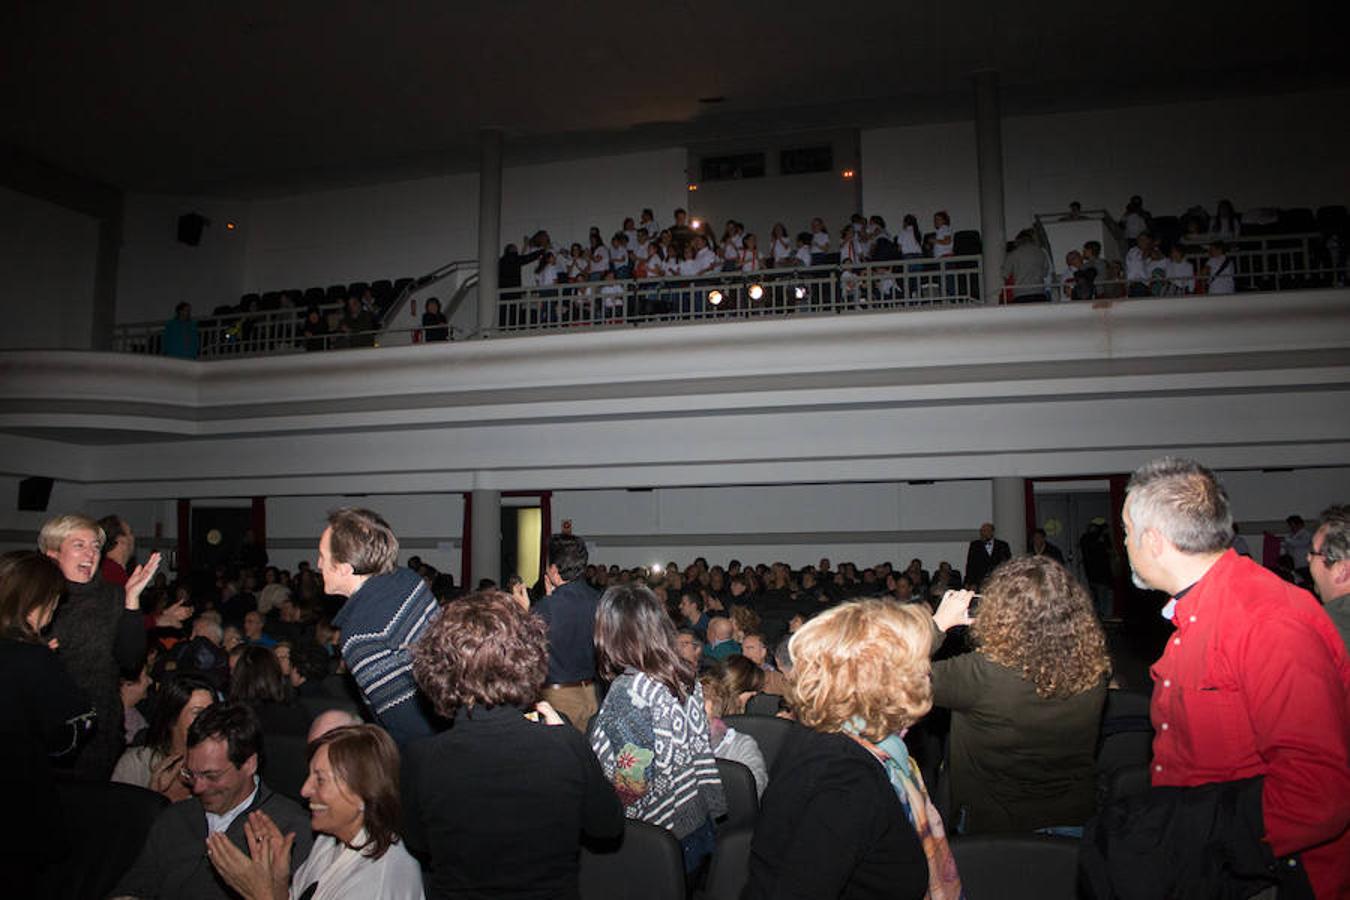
(954, 609)
(139, 578)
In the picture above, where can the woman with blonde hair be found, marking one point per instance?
(846, 813)
(1027, 703)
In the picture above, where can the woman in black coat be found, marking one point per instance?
(43, 715)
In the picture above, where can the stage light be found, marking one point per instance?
(756, 291)
(799, 293)
(715, 298)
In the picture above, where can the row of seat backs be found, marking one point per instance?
(384, 291)
(1328, 220)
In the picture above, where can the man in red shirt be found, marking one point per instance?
(117, 552)
(1255, 681)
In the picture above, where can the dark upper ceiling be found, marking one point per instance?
(261, 97)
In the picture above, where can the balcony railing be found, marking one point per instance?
(896, 284)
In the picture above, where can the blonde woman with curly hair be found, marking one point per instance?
(1027, 703)
(846, 814)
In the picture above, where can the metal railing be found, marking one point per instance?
(894, 284)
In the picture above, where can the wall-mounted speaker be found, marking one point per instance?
(34, 494)
(190, 227)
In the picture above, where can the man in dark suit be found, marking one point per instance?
(984, 555)
(223, 744)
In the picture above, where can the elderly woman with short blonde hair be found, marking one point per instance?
(846, 814)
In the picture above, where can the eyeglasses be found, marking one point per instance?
(190, 777)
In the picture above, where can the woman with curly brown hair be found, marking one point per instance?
(1027, 703)
(500, 801)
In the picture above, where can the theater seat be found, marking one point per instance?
(647, 865)
(738, 784)
(730, 867)
(1017, 867)
(967, 243)
(107, 824)
(768, 731)
(337, 293)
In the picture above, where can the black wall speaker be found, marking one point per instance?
(190, 227)
(35, 493)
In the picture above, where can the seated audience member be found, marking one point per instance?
(314, 329)
(672, 781)
(757, 651)
(721, 638)
(329, 719)
(223, 745)
(743, 680)
(690, 648)
(727, 742)
(435, 326)
(846, 813)
(780, 246)
(358, 324)
(692, 614)
(158, 763)
(802, 256)
(43, 716)
(353, 797)
(253, 630)
(910, 238)
(1027, 704)
(257, 681)
(499, 802)
(1218, 270)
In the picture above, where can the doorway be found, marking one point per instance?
(522, 539)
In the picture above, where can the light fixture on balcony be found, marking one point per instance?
(756, 291)
(799, 292)
(715, 298)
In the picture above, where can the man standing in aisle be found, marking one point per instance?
(387, 610)
(569, 610)
(984, 556)
(1255, 680)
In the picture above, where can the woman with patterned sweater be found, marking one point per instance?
(651, 734)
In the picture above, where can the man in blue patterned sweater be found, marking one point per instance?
(387, 610)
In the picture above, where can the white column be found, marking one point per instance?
(989, 153)
(1010, 513)
(489, 227)
(487, 536)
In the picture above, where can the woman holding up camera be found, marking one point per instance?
(1027, 703)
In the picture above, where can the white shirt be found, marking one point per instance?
(222, 822)
(749, 260)
(851, 251)
(618, 256)
(804, 255)
(600, 259)
(613, 295)
(548, 275)
(1136, 266)
(642, 251)
(631, 234)
(578, 266)
(1066, 282)
(655, 265)
(780, 249)
(1181, 274)
(1134, 225)
(1221, 282)
(730, 252)
(820, 242)
(343, 872)
(689, 267)
(909, 244)
(942, 241)
(706, 259)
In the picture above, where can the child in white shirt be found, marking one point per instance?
(942, 240)
(780, 246)
(1219, 270)
(820, 237)
(803, 254)
(910, 239)
(1180, 273)
(599, 258)
(749, 255)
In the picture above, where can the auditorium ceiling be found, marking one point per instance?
(255, 98)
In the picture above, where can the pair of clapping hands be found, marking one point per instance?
(264, 872)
